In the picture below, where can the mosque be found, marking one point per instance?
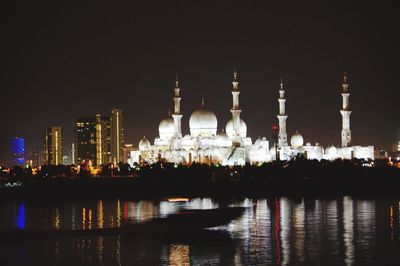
(232, 146)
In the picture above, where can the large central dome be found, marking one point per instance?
(203, 123)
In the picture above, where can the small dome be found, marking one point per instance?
(203, 122)
(144, 144)
(223, 140)
(242, 129)
(331, 150)
(296, 140)
(166, 128)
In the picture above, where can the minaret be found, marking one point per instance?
(177, 116)
(282, 136)
(236, 110)
(346, 132)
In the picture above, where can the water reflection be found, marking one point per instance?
(57, 219)
(299, 232)
(272, 231)
(20, 221)
(348, 234)
(179, 255)
(100, 214)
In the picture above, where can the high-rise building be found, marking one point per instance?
(103, 139)
(117, 136)
(73, 153)
(53, 150)
(99, 139)
(93, 140)
(85, 139)
(18, 150)
(37, 155)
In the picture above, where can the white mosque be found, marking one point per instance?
(232, 146)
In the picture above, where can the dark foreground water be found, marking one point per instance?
(273, 231)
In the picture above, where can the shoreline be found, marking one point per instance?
(294, 178)
(136, 190)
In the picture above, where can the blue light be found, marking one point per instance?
(21, 222)
(18, 150)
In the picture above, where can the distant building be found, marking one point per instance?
(37, 155)
(381, 154)
(117, 136)
(53, 150)
(85, 135)
(103, 140)
(93, 140)
(18, 150)
(395, 147)
(73, 153)
(66, 160)
(99, 139)
(203, 144)
(128, 148)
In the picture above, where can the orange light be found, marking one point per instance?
(178, 199)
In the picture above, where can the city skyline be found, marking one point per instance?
(309, 46)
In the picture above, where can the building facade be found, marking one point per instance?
(53, 146)
(18, 150)
(117, 136)
(85, 139)
(103, 139)
(233, 147)
(99, 139)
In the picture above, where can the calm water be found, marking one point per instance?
(273, 231)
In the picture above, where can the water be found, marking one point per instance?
(272, 231)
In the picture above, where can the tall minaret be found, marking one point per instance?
(236, 109)
(346, 132)
(282, 136)
(177, 116)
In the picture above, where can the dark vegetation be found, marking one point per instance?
(297, 177)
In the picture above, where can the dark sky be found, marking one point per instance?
(61, 60)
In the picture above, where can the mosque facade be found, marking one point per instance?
(232, 146)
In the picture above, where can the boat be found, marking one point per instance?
(196, 219)
(183, 221)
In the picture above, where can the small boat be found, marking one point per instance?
(196, 219)
(178, 200)
(186, 220)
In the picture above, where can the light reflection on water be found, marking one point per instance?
(272, 231)
(20, 221)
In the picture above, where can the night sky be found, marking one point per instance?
(64, 60)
